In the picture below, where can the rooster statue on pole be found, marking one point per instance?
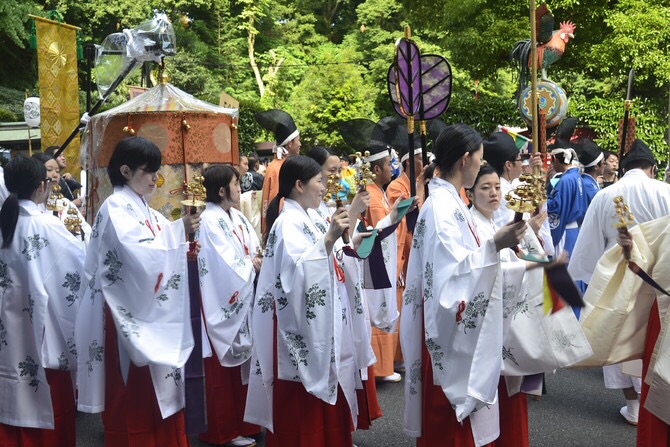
(550, 45)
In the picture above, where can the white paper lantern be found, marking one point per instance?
(31, 111)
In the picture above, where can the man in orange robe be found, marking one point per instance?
(287, 143)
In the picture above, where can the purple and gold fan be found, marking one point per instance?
(419, 87)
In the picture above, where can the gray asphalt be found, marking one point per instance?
(577, 412)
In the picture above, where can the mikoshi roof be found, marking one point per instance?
(162, 98)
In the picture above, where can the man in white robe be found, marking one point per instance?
(647, 199)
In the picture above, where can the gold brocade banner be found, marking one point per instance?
(59, 86)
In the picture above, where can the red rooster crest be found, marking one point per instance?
(550, 45)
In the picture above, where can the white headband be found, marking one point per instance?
(279, 149)
(595, 162)
(375, 157)
(569, 152)
(417, 151)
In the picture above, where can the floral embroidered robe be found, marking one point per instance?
(297, 283)
(40, 281)
(136, 265)
(63, 214)
(354, 309)
(227, 281)
(533, 342)
(450, 306)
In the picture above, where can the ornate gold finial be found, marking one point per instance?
(195, 191)
(623, 214)
(55, 200)
(364, 175)
(73, 222)
(333, 188)
(528, 196)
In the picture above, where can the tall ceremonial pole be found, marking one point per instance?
(626, 116)
(533, 81)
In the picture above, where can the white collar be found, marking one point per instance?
(31, 207)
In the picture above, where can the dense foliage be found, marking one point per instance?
(325, 61)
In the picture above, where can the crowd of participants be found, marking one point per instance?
(297, 324)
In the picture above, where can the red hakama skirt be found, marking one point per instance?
(132, 417)
(226, 400)
(368, 405)
(63, 434)
(439, 425)
(651, 431)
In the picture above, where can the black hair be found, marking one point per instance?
(253, 162)
(638, 164)
(43, 157)
(320, 154)
(51, 150)
(484, 169)
(297, 167)
(453, 142)
(135, 152)
(23, 176)
(608, 154)
(216, 177)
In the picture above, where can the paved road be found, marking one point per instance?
(577, 412)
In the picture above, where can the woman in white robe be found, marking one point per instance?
(300, 379)
(67, 209)
(40, 277)
(133, 329)
(229, 260)
(451, 324)
(532, 341)
(355, 317)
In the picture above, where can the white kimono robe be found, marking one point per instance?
(40, 278)
(354, 310)
(450, 292)
(63, 214)
(136, 264)
(227, 281)
(383, 303)
(297, 283)
(647, 199)
(619, 305)
(533, 342)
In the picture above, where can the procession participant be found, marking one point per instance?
(611, 168)
(397, 188)
(251, 180)
(591, 158)
(287, 144)
(566, 202)
(230, 250)
(650, 238)
(133, 328)
(648, 199)
(300, 380)
(529, 345)
(53, 172)
(40, 268)
(451, 323)
(382, 303)
(67, 183)
(355, 319)
(503, 155)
